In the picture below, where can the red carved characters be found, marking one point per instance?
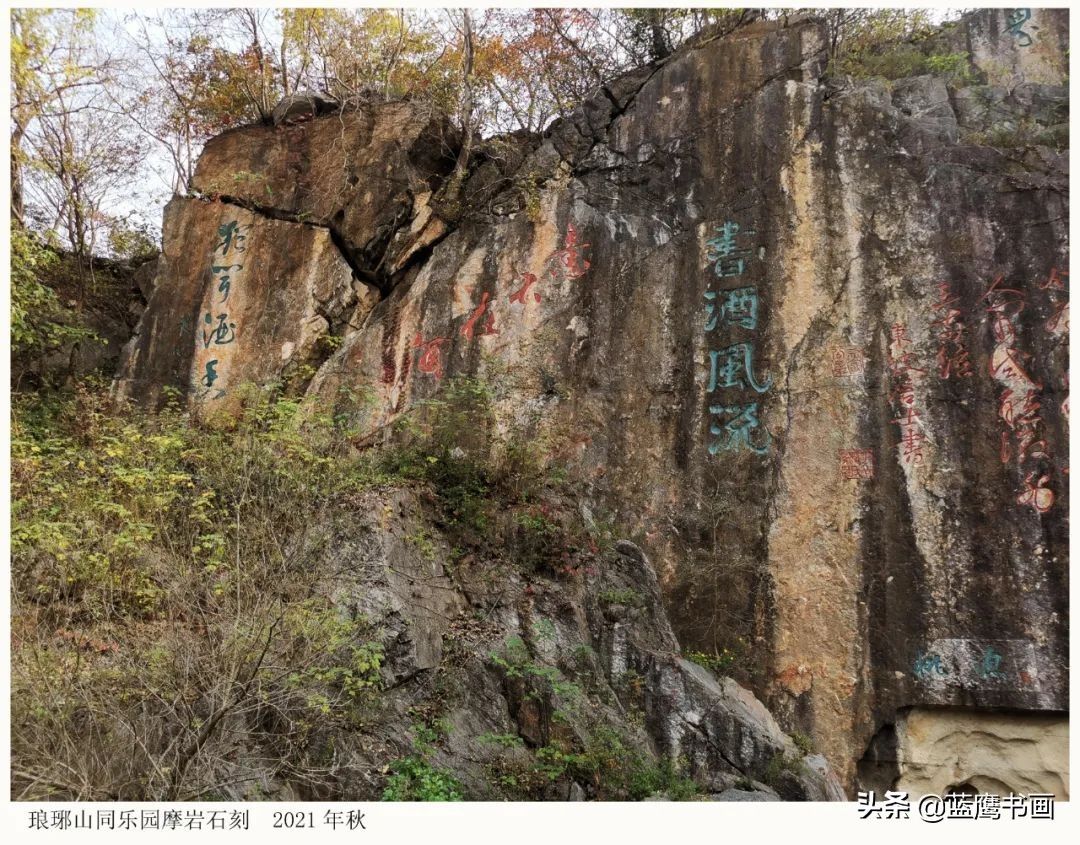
(903, 393)
(1055, 281)
(520, 294)
(1037, 495)
(565, 263)
(488, 326)
(430, 361)
(570, 254)
(856, 464)
(1020, 402)
(952, 356)
(1058, 322)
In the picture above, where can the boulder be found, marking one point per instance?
(367, 175)
(303, 105)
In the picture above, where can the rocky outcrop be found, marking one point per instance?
(366, 175)
(509, 663)
(808, 341)
(246, 286)
(303, 105)
(98, 307)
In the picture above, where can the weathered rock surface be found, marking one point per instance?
(301, 106)
(938, 751)
(807, 342)
(500, 655)
(227, 274)
(744, 795)
(367, 175)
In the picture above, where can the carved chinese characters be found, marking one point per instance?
(567, 263)
(216, 332)
(1020, 402)
(731, 322)
(904, 375)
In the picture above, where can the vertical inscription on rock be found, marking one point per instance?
(731, 321)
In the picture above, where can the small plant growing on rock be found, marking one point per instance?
(627, 598)
(778, 765)
(415, 779)
(803, 742)
(719, 663)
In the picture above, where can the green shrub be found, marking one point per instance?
(956, 67)
(503, 740)
(628, 598)
(778, 764)
(160, 583)
(719, 663)
(164, 595)
(617, 771)
(803, 742)
(415, 779)
(39, 324)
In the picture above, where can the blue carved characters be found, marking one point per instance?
(207, 381)
(231, 238)
(219, 329)
(734, 367)
(724, 253)
(221, 334)
(1016, 20)
(990, 666)
(928, 665)
(211, 373)
(224, 283)
(738, 307)
(734, 422)
(736, 426)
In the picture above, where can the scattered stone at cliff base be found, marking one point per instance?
(807, 338)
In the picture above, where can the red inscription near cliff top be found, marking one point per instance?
(570, 254)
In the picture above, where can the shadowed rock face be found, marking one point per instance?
(364, 174)
(806, 341)
(542, 659)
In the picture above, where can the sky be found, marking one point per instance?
(144, 196)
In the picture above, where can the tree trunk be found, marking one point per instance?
(660, 47)
(17, 203)
(457, 178)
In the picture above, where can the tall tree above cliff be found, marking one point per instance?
(401, 52)
(49, 63)
(74, 158)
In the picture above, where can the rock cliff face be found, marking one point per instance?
(805, 341)
(591, 663)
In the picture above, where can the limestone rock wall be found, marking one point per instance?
(806, 342)
(239, 298)
(989, 752)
